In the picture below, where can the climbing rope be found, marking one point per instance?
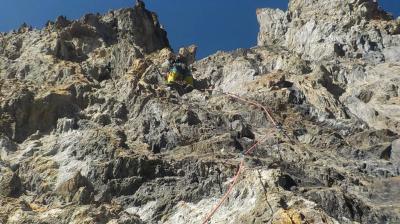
(235, 179)
(251, 102)
(247, 152)
(269, 116)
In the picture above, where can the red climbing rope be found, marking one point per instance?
(248, 151)
(234, 181)
(251, 149)
(254, 103)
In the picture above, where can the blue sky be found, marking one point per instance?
(211, 24)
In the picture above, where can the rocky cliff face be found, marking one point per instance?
(89, 133)
(356, 47)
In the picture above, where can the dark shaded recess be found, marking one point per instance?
(299, 132)
(387, 153)
(106, 75)
(296, 96)
(156, 147)
(286, 182)
(284, 84)
(298, 175)
(327, 82)
(42, 114)
(338, 49)
(65, 50)
(365, 95)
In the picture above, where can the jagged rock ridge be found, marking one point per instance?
(89, 133)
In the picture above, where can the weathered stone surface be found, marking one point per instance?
(395, 152)
(78, 188)
(322, 29)
(6, 147)
(189, 54)
(337, 34)
(10, 183)
(90, 133)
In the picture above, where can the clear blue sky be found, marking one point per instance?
(211, 24)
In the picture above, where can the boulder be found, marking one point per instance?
(188, 54)
(77, 189)
(10, 183)
(6, 146)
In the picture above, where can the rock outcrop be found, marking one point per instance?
(90, 133)
(355, 44)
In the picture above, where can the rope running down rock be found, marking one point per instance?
(247, 152)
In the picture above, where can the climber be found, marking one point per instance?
(179, 72)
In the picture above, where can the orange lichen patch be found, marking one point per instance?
(136, 148)
(390, 26)
(65, 88)
(37, 208)
(80, 78)
(290, 216)
(14, 87)
(63, 63)
(61, 90)
(139, 66)
(48, 168)
(58, 90)
(99, 53)
(44, 164)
